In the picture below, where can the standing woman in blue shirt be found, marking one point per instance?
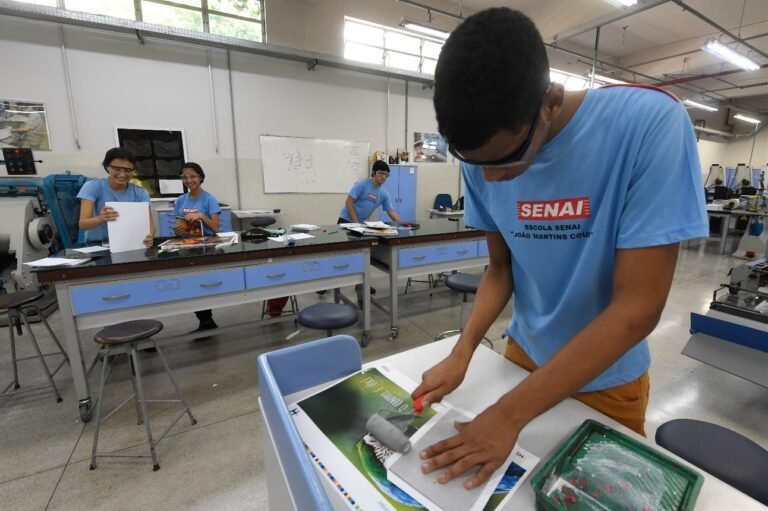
(197, 206)
(368, 194)
(119, 165)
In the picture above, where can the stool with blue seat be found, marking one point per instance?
(328, 316)
(467, 284)
(17, 306)
(727, 455)
(125, 338)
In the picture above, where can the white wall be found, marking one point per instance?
(117, 81)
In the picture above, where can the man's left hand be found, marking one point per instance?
(485, 441)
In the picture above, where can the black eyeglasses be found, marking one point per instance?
(520, 156)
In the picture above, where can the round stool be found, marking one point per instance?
(16, 306)
(263, 221)
(328, 316)
(467, 284)
(725, 454)
(125, 338)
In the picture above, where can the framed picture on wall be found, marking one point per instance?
(159, 154)
(24, 124)
(429, 147)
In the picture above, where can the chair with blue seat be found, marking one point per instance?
(328, 316)
(727, 455)
(467, 284)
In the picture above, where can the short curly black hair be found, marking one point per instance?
(492, 73)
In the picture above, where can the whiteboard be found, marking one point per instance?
(312, 165)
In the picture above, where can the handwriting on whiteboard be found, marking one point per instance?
(301, 163)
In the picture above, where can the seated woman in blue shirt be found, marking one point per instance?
(119, 165)
(197, 207)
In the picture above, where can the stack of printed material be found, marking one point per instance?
(367, 474)
(372, 229)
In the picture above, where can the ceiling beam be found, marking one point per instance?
(607, 19)
(721, 28)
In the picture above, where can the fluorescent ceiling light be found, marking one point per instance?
(724, 52)
(424, 29)
(608, 79)
(699, 105)
(746, 119)
(622, 3)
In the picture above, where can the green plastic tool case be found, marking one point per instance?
(599, 468)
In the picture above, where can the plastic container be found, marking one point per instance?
(600, 468)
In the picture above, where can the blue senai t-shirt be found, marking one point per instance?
(623, 173)
(204, 203)
(98, 191)
(367, 197)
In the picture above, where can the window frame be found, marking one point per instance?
(382, 46)
(203, 9)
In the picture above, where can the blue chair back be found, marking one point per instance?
(443, 200)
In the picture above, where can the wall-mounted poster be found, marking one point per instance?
(429, 147)
(23, 124)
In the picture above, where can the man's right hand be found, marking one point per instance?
(442, 379)
(108, 214)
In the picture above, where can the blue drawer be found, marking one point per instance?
(132, 293)
(482, 248)
(419, 256)
(266, 275)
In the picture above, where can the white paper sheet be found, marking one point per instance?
(91, 249)
(56, 261)
(130, 228)
(169, 186)
(291, 237)
(378, 225)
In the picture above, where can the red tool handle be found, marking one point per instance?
(418, 404)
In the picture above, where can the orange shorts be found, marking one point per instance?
(625, 404)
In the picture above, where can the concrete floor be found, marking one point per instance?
(217, 464)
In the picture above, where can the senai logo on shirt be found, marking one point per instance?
(561, 209)
(373, 197)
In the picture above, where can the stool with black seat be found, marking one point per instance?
(125, 338)
(17, 306)
(263, 221)
(727, 455)
(328, 316)
(467, 284)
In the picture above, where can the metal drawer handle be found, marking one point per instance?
(418, 258)
(341, 266)
(113, 298)
(211, 284)
(462, 252)
(275, 275)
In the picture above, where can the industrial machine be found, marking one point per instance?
(38, 215)
(733, 334)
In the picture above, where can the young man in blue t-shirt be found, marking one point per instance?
(584, 197)
(367, 195)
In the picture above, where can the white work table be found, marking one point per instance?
(489, 376)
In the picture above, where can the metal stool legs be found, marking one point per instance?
(16, 317)
(141, 407)
(466, 308)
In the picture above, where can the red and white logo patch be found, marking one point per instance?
(561, 209)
